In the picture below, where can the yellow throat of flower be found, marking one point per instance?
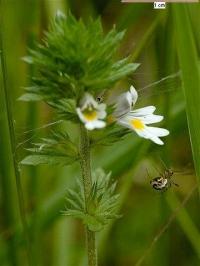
(90, 115)
(137, 124)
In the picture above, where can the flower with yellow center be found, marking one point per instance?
(90, 115)
(91, 112)
(138, 119)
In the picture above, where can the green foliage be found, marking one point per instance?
(75, 57)
(101, 204)
(66, 109)
(57, 149)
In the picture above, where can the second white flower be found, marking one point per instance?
(91, 112)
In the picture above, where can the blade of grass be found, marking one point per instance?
(188, 60)
(33, 113)
(11, 134)
(185, 221)
(194, 11)
(8, 195)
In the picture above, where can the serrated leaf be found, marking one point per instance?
(57, 149)
(27, 97)
(46, 159)
(102, 203)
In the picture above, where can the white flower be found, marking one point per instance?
(138, 119)
(91, 112)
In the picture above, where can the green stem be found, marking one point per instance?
(87, 183)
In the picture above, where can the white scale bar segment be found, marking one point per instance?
(159, 5)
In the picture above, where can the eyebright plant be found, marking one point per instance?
(74, 64)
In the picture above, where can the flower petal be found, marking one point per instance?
(132, 96)
(144, 111)
(147, 135)
(78, 110)
(157, 140)
(90, 125)
(157, 131)
(95, 124)
(125, 102)
(142, 133)
(88, 100)
(150, 119)
(99, 124)
(122, 106)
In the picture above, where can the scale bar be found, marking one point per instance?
(167, 1)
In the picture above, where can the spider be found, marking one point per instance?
(164, 181)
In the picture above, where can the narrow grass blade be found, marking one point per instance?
(188, 60)
(9, 216)
(11, 135)
(186, 223)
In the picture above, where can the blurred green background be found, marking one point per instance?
(153, 39)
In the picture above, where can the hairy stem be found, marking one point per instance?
(87, 183)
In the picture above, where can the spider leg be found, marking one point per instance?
(177, 185)
(148, 175)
